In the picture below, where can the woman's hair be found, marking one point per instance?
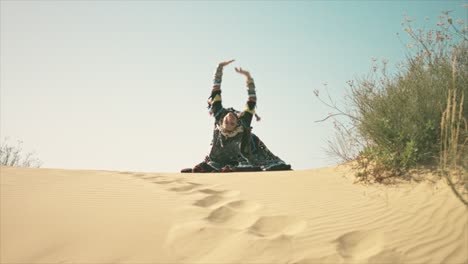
(234, 114)
(232, 110)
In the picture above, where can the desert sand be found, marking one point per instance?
(309, 216)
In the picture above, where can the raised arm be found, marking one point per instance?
(214, 101)
(249, 110)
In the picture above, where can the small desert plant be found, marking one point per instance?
(12, 155)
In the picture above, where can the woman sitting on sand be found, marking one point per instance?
(234, 146)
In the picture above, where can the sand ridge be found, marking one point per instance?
(314, 216)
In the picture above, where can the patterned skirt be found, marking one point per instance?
(261, 159)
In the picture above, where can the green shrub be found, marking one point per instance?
(398, 117)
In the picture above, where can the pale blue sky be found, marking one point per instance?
(123, 85)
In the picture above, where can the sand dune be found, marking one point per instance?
(313, 216)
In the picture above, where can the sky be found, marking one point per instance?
(123, 85)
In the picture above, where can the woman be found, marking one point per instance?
(234, 146)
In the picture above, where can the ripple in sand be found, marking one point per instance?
(388, 257)
(332, 259)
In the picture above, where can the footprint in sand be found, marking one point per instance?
(229, 217)
(277, 225)
(244, 206)
(225, 193)
(359, 245)
(153, 177)
(167, 181)
(140, 175)
(210, 200)
(193, 240)
(211, 191)
(221, 197)
(187, 187)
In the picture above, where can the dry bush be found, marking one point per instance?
(12, 155)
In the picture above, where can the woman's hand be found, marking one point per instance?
(225, 63)
(243, 72)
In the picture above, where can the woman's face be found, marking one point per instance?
(230, 122)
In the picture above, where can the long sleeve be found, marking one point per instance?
(249, 110)
(214, 101)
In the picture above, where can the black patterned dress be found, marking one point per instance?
(238, 150)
